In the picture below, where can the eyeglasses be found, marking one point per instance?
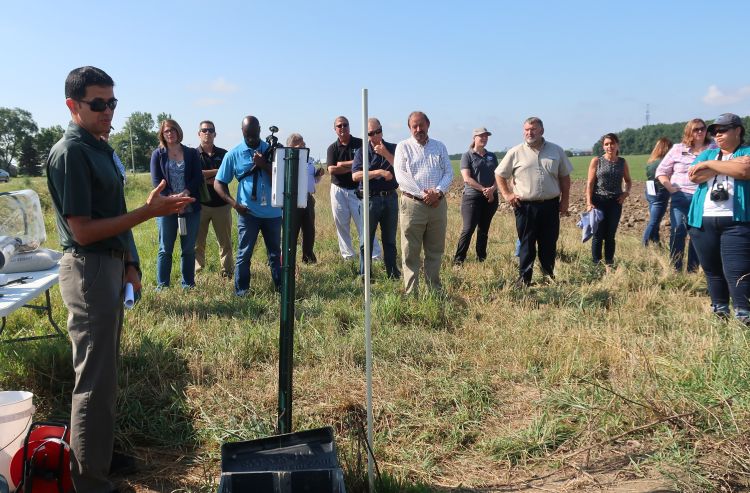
(375, 132)
(97, 105)
(169, 131)
(208, 130)
(699, 129)
(722, 130)
(342, 125)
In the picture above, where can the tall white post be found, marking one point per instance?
(367, 261)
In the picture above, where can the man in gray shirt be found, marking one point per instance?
(540, 171)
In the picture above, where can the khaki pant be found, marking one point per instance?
(221, 217)
(422, 227)
(91, 287)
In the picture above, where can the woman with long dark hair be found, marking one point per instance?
(658, 201)
(719, 217)
(180, 166)
(604, 191)
(672, 172)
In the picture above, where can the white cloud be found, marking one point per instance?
(221, 85)
(715, 96)
(205, 102)
(218, 86)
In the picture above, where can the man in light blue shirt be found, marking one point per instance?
(246, 164)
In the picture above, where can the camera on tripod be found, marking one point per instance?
(273, 144)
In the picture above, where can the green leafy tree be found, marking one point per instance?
(46, 138)
(139, 129)
(161, 117)
(28, 160)
(15, 125)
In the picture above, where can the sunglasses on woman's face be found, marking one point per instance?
(722, 130)
(97, 105)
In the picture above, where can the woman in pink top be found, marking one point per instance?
(672, 172)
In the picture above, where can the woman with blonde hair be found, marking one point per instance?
(672, 172)
(604, 191)
(657, 203)
(180, 166)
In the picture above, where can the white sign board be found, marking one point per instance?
(277, 177)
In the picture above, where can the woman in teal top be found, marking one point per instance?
(719, 217)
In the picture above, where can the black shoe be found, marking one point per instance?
(122, 464)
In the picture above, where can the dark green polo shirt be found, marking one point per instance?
(83, 180)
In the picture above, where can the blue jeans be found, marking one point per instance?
(605, 233)
(248, 227)
(723, 247)
(167, 236)
(657, 207)
(678, 232)
(383, 212)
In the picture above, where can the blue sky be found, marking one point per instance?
(584, 67)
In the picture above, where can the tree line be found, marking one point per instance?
(24, 146)
(641, 140)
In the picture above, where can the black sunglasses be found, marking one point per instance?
(98, 105)
(342, 125)
(722, 130)
(208, 130)
(375, 132)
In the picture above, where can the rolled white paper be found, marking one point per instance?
(129, 296)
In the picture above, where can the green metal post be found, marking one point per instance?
(289, 255)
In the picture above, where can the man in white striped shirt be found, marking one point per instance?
(424, 173)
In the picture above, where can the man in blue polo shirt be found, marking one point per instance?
(383, 199)
(246, 163)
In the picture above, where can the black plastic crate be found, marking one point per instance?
(305, 461)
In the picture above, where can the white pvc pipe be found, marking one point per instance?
(367, 262)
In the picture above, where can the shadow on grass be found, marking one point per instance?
(151, 405)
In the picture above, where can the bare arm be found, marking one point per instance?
(222, 190)
(341, 168)
(505, 190)
(564, 194)
(86, 230)
(738, 168)
(628, 183)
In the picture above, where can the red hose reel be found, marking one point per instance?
(43, 464)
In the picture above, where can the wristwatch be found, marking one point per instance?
(441, 194)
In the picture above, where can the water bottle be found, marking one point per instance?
(182, 224)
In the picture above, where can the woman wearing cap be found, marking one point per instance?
(657, 203)
(604, 191)
(479, 201)
(672, 172)
(180, 166)
(719, 217)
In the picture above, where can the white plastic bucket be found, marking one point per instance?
(16, 413)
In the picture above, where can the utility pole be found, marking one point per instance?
(132, 154)
(648, 115)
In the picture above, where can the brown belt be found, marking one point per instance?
(413, 197)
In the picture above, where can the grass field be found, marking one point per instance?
(597, 379)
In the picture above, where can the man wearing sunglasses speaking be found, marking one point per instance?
(344, 201)
(214, 209)
(383, 199)
(94, 227)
